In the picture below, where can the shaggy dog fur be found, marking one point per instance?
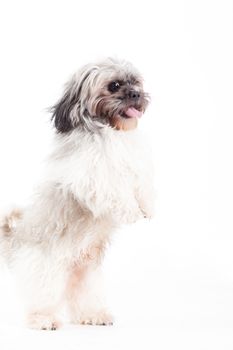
(98, 177)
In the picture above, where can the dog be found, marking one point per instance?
(98, 177)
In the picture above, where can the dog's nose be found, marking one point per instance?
(133, 94)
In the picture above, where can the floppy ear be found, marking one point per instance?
(63, 120)
(67, 114)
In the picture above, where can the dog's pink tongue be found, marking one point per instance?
(133, 113)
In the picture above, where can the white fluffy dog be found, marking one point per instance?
(98, 177)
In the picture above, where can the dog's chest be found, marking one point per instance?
(124, 149)
(114, 162)
(119, 159)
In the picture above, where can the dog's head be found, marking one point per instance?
(109, 92)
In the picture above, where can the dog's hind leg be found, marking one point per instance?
(41, 279)
(85, 300)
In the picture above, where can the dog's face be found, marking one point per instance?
(110, 92)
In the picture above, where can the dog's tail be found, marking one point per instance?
(8, 223)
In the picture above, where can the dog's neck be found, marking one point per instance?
(120, 123)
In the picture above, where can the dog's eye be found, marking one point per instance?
(114, 86)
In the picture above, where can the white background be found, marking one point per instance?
(170, 281)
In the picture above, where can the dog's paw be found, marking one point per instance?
(42, 322)
(98, 318)
(148, 215)
(147, 211)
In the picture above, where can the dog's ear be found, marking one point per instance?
(64, 119)
(67, 112)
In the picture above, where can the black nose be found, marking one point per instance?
(133, 95)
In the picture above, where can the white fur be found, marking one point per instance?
(94, 182)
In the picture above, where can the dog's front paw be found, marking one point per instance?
(148, 213)
(147, 210)
(97, 318)
(42, 321)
